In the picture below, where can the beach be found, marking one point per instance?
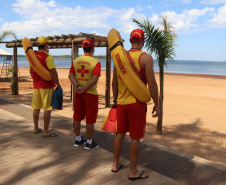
(194, 119)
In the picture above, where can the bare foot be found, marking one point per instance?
(138, 175)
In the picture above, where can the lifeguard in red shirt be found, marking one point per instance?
(84, 75)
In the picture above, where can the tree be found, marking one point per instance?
(6, 34)
(162, 43)
(11, 70)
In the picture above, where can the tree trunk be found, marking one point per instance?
(15, 88)
(160, 118)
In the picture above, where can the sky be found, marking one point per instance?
(200, 25)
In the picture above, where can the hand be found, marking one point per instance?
(80, 89)
(156, 111)
(114, 105)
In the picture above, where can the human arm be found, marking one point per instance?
(115, 85)
(74, 81)
(146, 61)
(51, 66)
(96, 74)
(30, 73)
(54, 75)
(30, 70)
(91, 83)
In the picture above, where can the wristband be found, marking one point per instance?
(115, 101)
(78, 85)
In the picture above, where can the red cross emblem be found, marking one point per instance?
(82, 71)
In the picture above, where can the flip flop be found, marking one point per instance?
(139, 177)
(38, 131)
(119, 168)
(51, 135)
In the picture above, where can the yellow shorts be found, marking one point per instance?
(42, 98)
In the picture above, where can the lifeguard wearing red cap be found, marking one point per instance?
(88, 43)
(137, 35)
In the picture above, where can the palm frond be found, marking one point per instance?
(160, 42)
(7, 34)
(153, 36)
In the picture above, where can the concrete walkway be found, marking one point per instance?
(27, 158)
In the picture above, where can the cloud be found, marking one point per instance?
(33, 8)
(186, 1)
(219, 18)
(140, 8)
(214, 1)
(47, 18)
(184, 22)
(124, 21)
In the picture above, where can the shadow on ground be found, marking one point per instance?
(179, 168)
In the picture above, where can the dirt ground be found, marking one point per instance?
(194, 119)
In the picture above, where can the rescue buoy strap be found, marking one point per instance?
(28, 49)
(119, 43)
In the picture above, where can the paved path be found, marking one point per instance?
(27, 158)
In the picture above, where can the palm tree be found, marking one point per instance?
(14, 85)
(6, 34)
(162, 43)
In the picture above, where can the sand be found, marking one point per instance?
(194, 119)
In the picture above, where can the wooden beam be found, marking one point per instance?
(74, 55)
(65, 36)
(15, 72)
(73, 35)
(108, 78)
(50, 37)
(57, 36)
(97, 38)
(58, 44)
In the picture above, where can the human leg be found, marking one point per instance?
(36, 119)
(77, 127)
(79, 141)
(134, 154)
(90, 143)
(36, 105)
(89, 131)
(91, 111)
(46, 118)
(122, 128)
(118, 142)
(137, 123)
(47, 96)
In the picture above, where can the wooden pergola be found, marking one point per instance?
(67, 41)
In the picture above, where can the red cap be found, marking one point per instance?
(88, 43)
(137, 35)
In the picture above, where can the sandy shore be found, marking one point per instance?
(194, 119)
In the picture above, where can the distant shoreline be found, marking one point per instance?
(67, 56)
(167, 73)
(177, 74)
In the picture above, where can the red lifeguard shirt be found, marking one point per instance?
(47, 61)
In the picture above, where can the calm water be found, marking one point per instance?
(179, 66)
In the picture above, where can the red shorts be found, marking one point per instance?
(132, 118)
(86, 106)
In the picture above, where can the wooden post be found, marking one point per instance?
(108, 77)
(74, 55)
(15, 72)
